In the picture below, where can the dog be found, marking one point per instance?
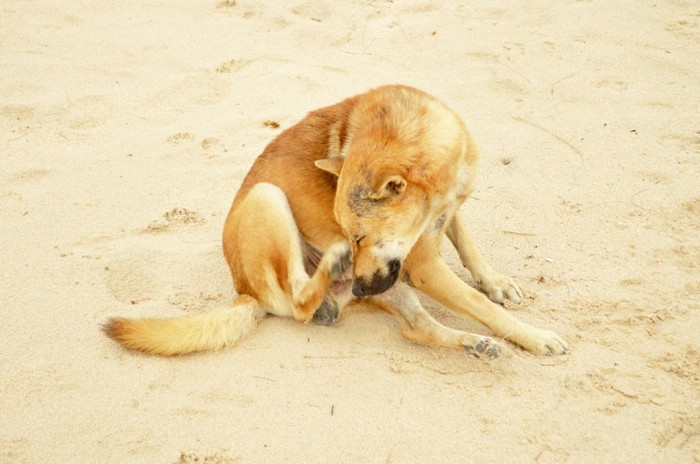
(353, 202)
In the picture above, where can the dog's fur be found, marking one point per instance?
(353, 202)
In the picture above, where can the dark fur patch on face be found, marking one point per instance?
(358, 194)
(361, 202)
(357, 200)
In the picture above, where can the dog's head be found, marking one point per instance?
(403, 160)
(382, 214)
(382, 217)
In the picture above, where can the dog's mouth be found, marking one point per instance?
(379, 283)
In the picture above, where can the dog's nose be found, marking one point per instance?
(357, 288)
(394, 266)
(380, 281)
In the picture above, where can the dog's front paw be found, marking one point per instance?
(484, 347)
(544, 343)
(497, 286)
(340, 256)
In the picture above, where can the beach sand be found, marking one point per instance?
(126, 128)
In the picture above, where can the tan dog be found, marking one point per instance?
(375, 180)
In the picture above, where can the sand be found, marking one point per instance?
(126, 128)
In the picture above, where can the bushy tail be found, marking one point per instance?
(211, 330)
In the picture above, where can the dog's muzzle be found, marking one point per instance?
(380, 282)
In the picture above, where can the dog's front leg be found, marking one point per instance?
(427, 272)
(418, 326)
(495, 285)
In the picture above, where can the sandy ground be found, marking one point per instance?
(126, 127)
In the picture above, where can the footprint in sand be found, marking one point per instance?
(612, 84)
(687, 28)
(176, 217)
(213, 146)
(216, 458)
(180, 137)
(231, 66)
(30, 175)
(226, 4)
(13, 449)
(685, 257)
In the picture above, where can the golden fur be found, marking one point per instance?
(353, 201)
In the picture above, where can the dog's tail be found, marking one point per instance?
(211, 330)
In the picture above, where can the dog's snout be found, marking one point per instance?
(379, 282)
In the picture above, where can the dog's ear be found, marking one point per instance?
(331, 165)
(390, 186)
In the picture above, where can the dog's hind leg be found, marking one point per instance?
(418, 326)
(263, 247)
(495, 285)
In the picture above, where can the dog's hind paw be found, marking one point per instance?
(327, 313)
(485, 347)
